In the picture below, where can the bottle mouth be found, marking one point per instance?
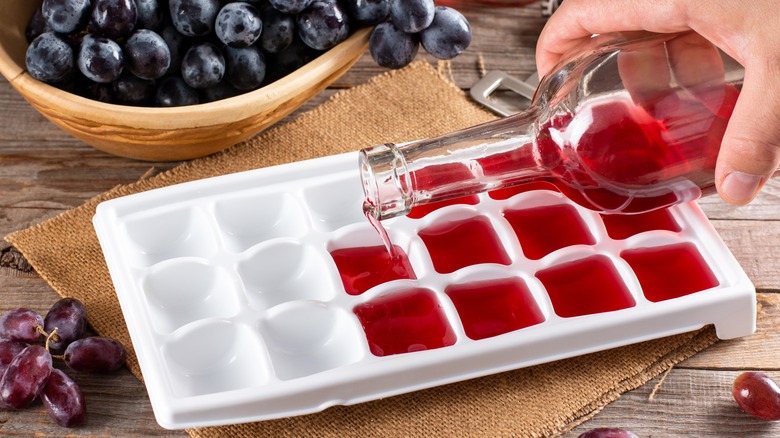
(370, 190)
(384, 177)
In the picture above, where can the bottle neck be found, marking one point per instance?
(397, 178)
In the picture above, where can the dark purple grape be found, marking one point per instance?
(49, 59)
(150, 14)
(296, 55)
(69, 317)
(222, 90)
(129, 89)
(757, 394)
(245, 67)
(36, 26)
(367, 12)
(25, 376)
(278, 30)
(113, 18)
(177, 45)
(290, 6)
(146, 54)
(95, 90)
(21, 325)
(323, 24)
(95, 355)
(9, 348)
(448, 35)
(391, 47)
(66, 16)
(63, 400)
(238, 24)
(194, 17)
(100, 59)
(74, 39)
(608, 432)
(203, 66)
(173, 91)
(412, 16)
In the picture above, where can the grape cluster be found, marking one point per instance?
(184, 52)
(26, 367)
(442, 31)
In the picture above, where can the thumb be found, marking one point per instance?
(750, 152)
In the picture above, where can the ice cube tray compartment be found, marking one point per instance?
(171, 233)
(181, 291)
(328, 339)
(244, 221)
(267, 293)
(213, 356)
(283, 271)
(335, 204)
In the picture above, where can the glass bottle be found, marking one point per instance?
(627, 123)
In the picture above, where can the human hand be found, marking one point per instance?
(750, 152)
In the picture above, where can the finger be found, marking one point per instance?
(699, 68)
(577, 20)
(645, 74)
(695, 61)
(750, 152)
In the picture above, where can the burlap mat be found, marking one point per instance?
(411, 103)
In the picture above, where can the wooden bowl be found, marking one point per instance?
(166, 134)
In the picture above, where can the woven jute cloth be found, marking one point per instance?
(411, 103)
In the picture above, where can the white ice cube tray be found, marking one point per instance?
(237, 312)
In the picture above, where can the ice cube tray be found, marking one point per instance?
(238, 312)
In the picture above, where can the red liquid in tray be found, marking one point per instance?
(542, 230)
(624, 226)
(362, 268)
(493, 307)
(611, 151)
(670, 271)
(455, 245)
(584, 287)
(404, 322)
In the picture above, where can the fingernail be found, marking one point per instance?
(739, 187)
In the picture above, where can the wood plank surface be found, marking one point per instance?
(689, 402)
(44, 172)
(760, 351)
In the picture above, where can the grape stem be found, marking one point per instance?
(50, 337)
(53, 335)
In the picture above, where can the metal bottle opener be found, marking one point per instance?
(486, 92)
(496, 81)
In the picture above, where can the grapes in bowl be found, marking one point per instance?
(102, 96)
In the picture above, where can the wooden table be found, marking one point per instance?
(44, 172)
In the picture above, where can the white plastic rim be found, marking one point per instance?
(233, 324)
